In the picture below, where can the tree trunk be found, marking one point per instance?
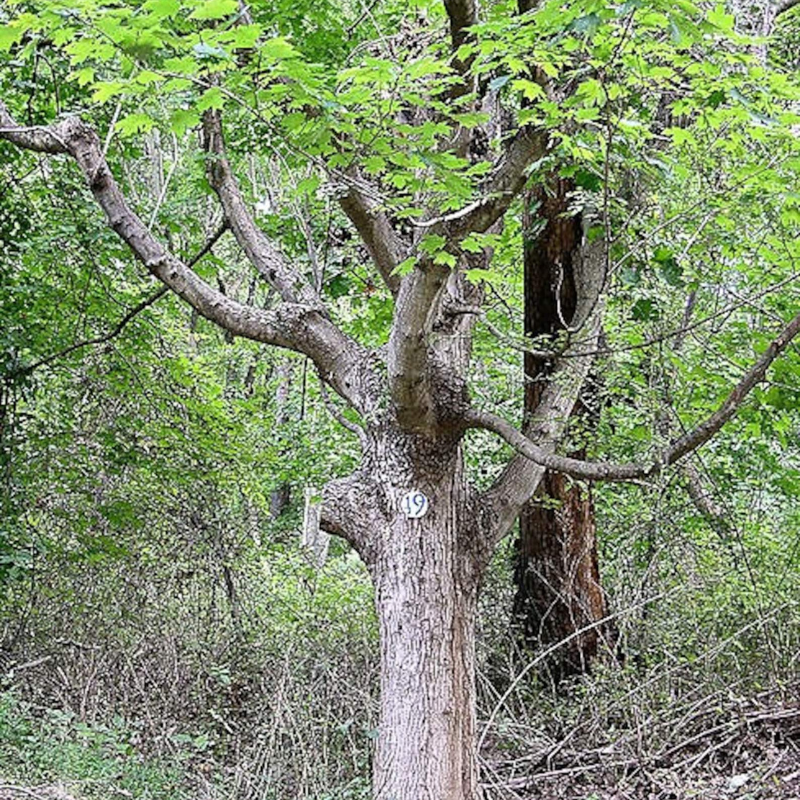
(426, 577)
(281, 496)
(556, 573)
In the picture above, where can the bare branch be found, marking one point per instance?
(690, 441)
(522, 475)
(337, 414)
(505, 183)
(102, 339)
(383, 243)
(289, 282)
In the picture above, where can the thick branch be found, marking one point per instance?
(690, 441)
(293, 326)
(379, 236)
(289, 282)
(417, 301)
(348, 512)
(505, 183)
(462, 14)
(408, 353)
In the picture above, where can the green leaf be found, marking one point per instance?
(161, 9)
(182, 120)
(9, 36)
(405, 267)
(427, 66)
(277, 49)
(134, 123)
(374, 165)
(432, 243)
(443, 257)
(215, 9)
(471, 119)
(720, 19)
(105, 90)
(489, 276)
(212, 98)
(246, 36)
(530, 90)
(83, 77)
(472, 244)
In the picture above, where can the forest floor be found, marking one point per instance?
(743, 750)
(757, 759)
(753, 754)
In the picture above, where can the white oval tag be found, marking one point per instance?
(414, 504)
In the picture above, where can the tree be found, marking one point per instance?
(558, 597)
(427, 149)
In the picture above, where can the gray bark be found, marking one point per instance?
(427, 574)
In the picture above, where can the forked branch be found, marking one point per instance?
(289, 282)
(690, 441)
(383, 243)
(291, 325)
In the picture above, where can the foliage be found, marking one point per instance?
(96, 759)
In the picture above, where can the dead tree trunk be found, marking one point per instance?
(556, 573)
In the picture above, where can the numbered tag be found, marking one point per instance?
(414, 504)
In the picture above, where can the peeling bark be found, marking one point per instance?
(556, 572)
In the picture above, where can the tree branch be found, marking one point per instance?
(106, 337)
(296, 326)
(521, 477)
(348, 511)
(417, 300)
(407, 357)
(289, 282)
(505, 183)
(462, 14)
(690, 441)
(338, 415)
(377, 233)
(119, 327)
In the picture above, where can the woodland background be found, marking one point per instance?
(164, 634)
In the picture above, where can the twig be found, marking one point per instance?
(336, 414)
(550, 650)
(117, 329)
